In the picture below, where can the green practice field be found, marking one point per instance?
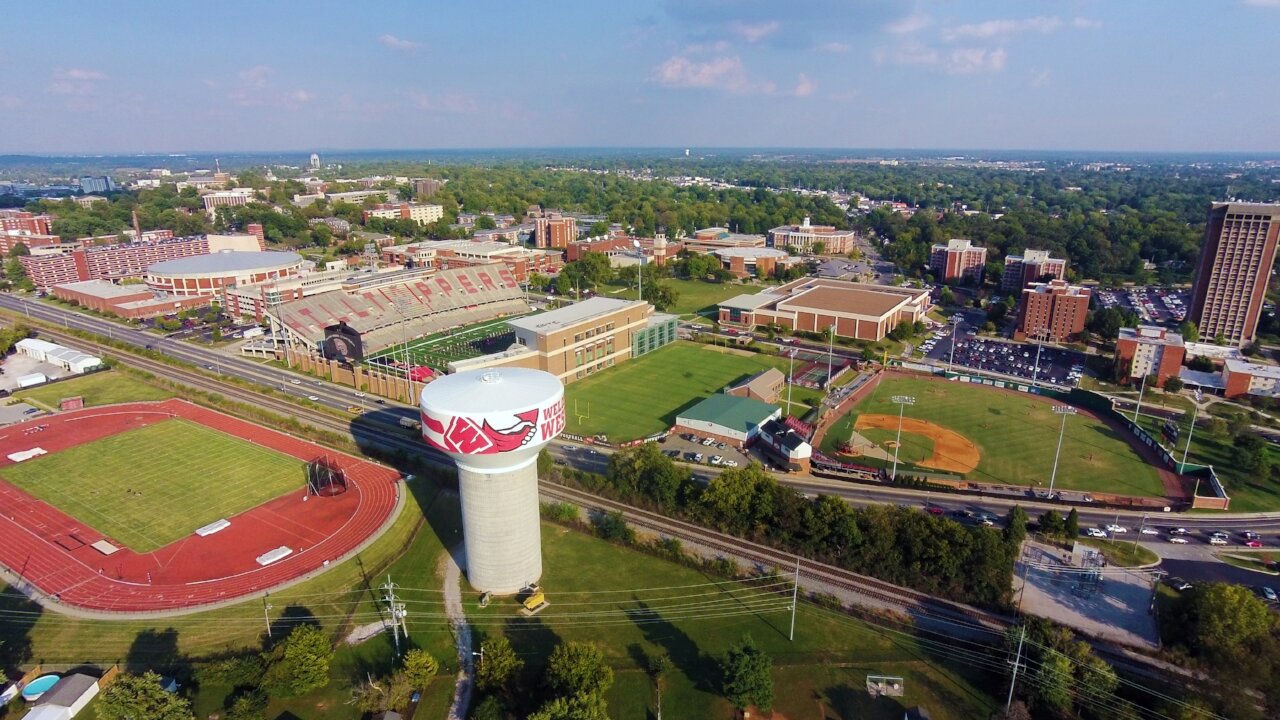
(149, 487)
(438, 350)
(693, 296)
(630, 605)
(642, 396)
(100, 388)
(1016, 435)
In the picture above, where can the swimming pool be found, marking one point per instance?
(38, 687)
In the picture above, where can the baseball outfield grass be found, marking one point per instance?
(1016, 435)
(151, 486)
(643, 396)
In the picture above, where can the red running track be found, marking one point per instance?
(52, 551)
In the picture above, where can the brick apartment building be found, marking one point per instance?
(958, 260)
(107, 262)
(27, 222)
(1246, 378)
(420, 213)
(1149, 350)
(1031, 266)
(552, 230)
(1056, 308)
(1235, 263)
(856, 310)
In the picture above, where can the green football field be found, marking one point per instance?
(642, 396)
(438, 350)
(1016, 435)
(149, 487)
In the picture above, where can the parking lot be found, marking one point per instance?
(1154, 305)
(692, 450)
(1058, 366)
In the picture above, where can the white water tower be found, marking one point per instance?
(493, 423)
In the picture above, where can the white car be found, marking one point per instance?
(716, 460)
(1178, 540)
(359, 394)
(313, 398)
(1116, 529)
(1150, 531)
(295, 381)
(731, 463)
(1095, 532)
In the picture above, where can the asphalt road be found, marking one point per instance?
(1195, 571)
(340, 398)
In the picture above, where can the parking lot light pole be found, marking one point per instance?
(1064, 411)
(902, 401)
(1195, 411)
(1040, 335)
(1141, 389)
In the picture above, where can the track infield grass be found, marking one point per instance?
(154, 485)
(643, 396)
(1016, 435)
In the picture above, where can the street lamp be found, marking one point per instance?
(1195, 410)
(1064, 411)
(1041, 334)
(639, 270)
(902, 401)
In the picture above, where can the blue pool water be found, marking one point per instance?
(38, 687)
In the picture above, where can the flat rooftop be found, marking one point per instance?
(566, 317)
(844, 300)
(104, 289)
(226, 261)
(1254, 369)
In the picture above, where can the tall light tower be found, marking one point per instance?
(1064, 411)
(493, 423)
(1040, 335)
(639, 271)
(1195, 411)
(902, 401)
(955, 331)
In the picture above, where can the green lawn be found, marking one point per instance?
(642, 396)
(1016, 436)
(828, 661)
(438, 350)
(693, 296)
(1248, 493)
(154, 485)
(1122, 553)
(914, 447)
(101, 388)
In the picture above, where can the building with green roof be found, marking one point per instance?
(727, 418)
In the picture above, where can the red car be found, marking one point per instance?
(934, 510)
(1253, 543)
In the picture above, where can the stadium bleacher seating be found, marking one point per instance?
(376, 307)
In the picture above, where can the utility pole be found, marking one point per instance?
(1017, 663)
(266, 613)
(389, 597)
(791, 374)
(902, 401)
(795, 597)
(1141, 527)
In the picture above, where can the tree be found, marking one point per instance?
(1189, 331)
(578, 669)
(133, 697)
(249, 705)
(1173, 384)
(1071, 527)
(747, 681)
(1053, 683)
(1016, 711)
(419, 668)
(947, 297)
(577, 707)
(1051, 523)
(300, 664)
(18, 250)
(498, 666)
(485, 222)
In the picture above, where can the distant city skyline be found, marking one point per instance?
(1141, 76)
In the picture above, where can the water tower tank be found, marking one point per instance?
(493, 423)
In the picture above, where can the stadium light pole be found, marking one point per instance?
(1064, 411)
(831, 339)
(1040, 334)
(1142, 389)
(955, 330)
(902, 401)
(639, 271)
(404, 336)
(1195, 410)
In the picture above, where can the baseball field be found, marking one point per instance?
(1006, 437)
(642, 396)
(153, 485)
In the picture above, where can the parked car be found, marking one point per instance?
(1178, 584)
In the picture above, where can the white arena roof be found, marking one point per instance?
(571, 315)
(227, 261)
(751, 253)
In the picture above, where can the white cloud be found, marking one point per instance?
(75, 81)
(299, 96)
(457, 103)
(1003, 28)
(835, 48)
(701, 48)
(909, 54)
(721, 73)
(395, 43)
(967, 61)
(754, 32)
(1040, 78)
(256, 76)
(912, 23)
(804, 86)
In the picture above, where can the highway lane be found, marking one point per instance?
(340, 398)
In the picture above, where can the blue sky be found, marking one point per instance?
(1183, 75)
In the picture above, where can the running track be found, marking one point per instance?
(52, 551)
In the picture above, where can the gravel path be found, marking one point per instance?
(461, 632)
